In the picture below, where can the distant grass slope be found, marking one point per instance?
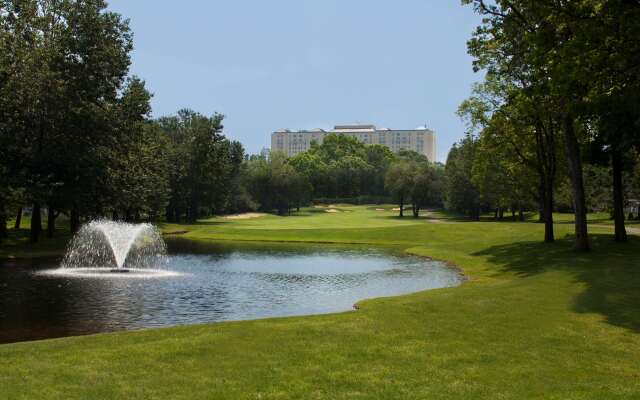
(534, 321)
(345, 216)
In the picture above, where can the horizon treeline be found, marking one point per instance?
(342, 170)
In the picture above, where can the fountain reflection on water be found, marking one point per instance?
(104, 248)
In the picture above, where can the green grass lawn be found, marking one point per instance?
(533, 321)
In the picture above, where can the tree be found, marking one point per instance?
(610, 32)
(275, 184)
(399, 180)
(598, 187)
(335, 147)
(66, 63)
(461, 194)
(540, 41)
(491, 178)
(517, 126)
(379, 157)
(201, 161)
(258, 181)
(428, 185)
(315, 171)
(237, 196)
(76, 133)
(348, 175)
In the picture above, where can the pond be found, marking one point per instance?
(210, 282)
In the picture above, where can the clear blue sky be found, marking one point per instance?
(300, 64)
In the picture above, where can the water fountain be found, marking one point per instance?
(104, 248)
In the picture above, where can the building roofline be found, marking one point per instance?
(362, 131)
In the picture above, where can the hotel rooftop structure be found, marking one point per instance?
(420, 140)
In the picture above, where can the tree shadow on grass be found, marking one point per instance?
(610, 273)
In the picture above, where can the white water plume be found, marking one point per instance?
(117, 246)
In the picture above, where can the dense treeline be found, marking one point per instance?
(562, 90)
(203, 165)
(76, 133)
(342, 169)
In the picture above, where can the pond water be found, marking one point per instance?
(213, 282)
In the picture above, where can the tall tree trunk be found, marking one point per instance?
(18, 219)
(36, 223)
(577, 184)
(513, 213)
(3, 221)
(416, 211)
(520, 214)
(618, 196)
(547, 211)
(51, 221)
(501, 213)
(74, 219)
(546, 168)
(401, 206)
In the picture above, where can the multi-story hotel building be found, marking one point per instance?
(421, 140)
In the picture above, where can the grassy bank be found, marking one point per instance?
(18, 244)
(534, 321)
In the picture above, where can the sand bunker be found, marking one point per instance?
(332, 210)
(244, 216)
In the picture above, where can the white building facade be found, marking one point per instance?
(420, 140)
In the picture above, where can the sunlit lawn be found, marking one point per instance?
(534, 320)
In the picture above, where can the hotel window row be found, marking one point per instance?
(421, 140)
